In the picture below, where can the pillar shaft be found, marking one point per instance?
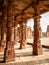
(47, 33)
(15, 30)
(9, 54)
(3, 23)
(37, 48)
(15, 34)
(23, 35)
(9, 51)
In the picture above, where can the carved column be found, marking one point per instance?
(15, 29)
(9, 51)
(18, 34)
(23, 35)
(47, 33)
(9, 54)
(3, 23)
(41, 35)
(15, 34)
(37, 48)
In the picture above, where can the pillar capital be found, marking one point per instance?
(37, 17)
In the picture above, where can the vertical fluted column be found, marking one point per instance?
(37, 48)
(23, 35)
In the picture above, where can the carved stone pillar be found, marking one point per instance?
(3, 23)
(3, 36)
(15, 34)
(18, 34)
(15, 29)
(23, 35)
(37, 48)
(47, 33)
(41, 35)
(9, 53)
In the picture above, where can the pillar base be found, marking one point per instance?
(9, 54)
(23, 45)
(37, 49)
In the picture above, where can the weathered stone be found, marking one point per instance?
(15, 34)
(23, 35)
(47, 33)
(40, 32)
(10, 8)
(29, 33)
(9, 52)
(37, 48)
(3, 23)
(18, 33)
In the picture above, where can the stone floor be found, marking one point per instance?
(26, 57)
(44, 40)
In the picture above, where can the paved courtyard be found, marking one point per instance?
(26, 57)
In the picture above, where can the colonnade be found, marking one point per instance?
(7, 25)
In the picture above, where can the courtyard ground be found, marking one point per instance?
(26, 57)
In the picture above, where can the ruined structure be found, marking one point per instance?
(13, 12)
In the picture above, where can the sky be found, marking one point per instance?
(44, 22)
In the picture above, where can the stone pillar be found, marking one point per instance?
(3, 23)
(47, 33)
(37, 48)
(0, 29)
(9, 53)
(3, 36)
(23, 35)
(15, 29)
(15, 34)
(18, 34)
(40, 32)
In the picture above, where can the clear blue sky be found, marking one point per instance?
(44, 22)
